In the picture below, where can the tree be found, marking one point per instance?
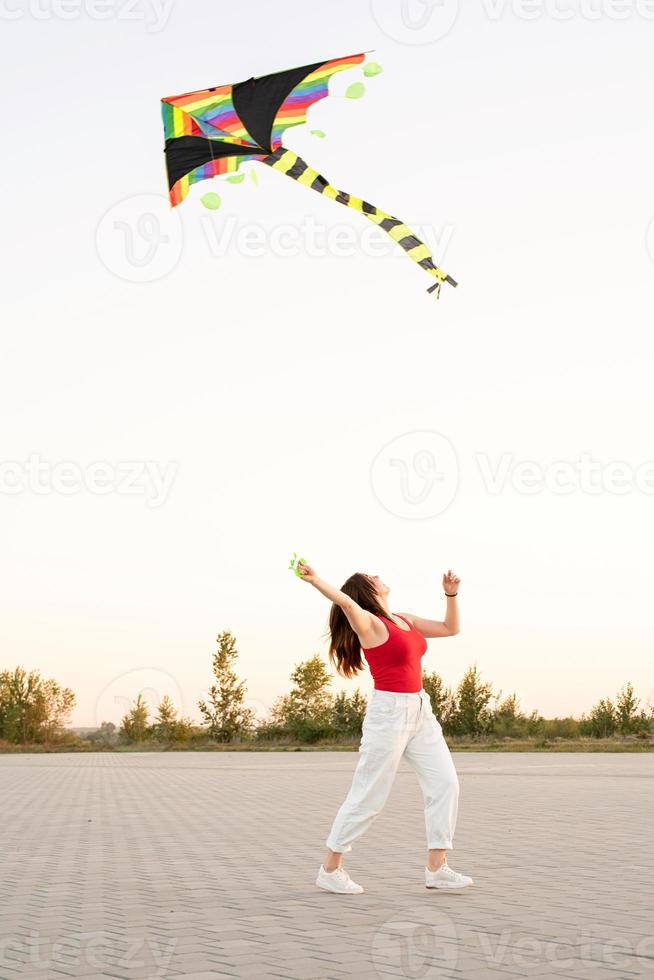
(306, 712)
(443, 702)
(602, 721)
(135, 726)
(507, 718)
(471, 714)
(224, 711)
(348, 713)
(167, 725)
(626, 711)
(509, 721)
(32, 709)
(607, 718)
(309, 698)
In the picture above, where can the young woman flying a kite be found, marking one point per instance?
(399, 722)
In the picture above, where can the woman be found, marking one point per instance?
(399, 721)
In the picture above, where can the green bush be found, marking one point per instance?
(560, 727)
(270, 732)
(310, 730)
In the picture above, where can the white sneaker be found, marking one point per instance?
(446, 879)
(337, 881)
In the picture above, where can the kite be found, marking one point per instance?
(212, 131)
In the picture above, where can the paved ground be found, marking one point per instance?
(202, 866)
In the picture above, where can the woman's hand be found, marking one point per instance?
(307, 573)
(359, 619)
(451, 582)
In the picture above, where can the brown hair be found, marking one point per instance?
(344, 646)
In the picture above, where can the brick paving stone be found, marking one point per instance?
(200, 866)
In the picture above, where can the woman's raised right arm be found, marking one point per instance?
(362, 622)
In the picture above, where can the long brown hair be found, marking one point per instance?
(344, 646)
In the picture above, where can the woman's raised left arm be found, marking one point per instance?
(451, 624)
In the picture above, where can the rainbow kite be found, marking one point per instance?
(212, 131)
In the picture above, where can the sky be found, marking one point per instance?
(189, 396)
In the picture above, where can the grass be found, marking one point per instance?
(456, 744)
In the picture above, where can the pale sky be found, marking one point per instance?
(189, 396)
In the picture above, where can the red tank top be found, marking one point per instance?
(395, 664)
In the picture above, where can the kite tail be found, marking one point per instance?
(292, 165)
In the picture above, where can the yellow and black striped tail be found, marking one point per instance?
(292, 165)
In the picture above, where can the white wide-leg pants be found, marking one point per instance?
(399, 726)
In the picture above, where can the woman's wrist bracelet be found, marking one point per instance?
(450, 595)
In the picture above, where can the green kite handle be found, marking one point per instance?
(293, 565)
